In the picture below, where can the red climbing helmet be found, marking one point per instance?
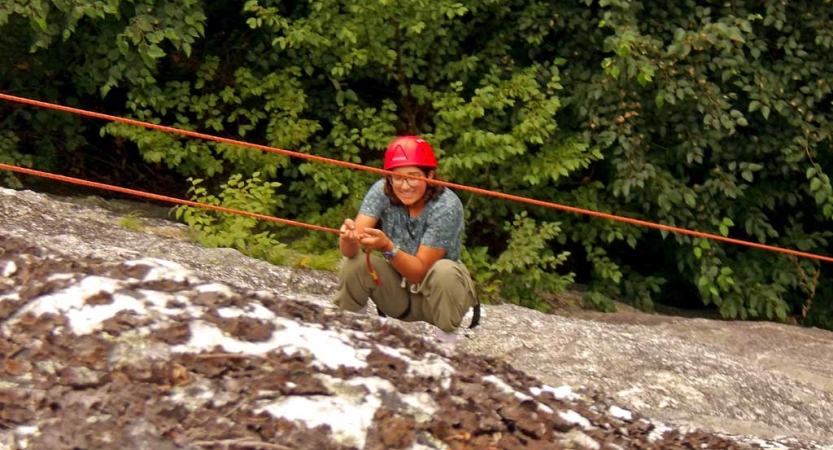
(409, 151)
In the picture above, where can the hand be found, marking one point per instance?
(348, 232)
(374, 239)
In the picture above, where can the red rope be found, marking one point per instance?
(180, 201)
(163, 198)
(515, 198)
(370, 269)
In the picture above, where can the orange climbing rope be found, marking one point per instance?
(110, 187)
(269, 149)
(137, 193)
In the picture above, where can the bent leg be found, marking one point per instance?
(355, 285)
(449, 293)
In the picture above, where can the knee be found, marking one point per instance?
(349, 282)
(444, 274)
(448, 294)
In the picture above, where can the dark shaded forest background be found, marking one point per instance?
(713, 116)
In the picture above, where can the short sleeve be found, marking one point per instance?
(445, 225)
(375, 201)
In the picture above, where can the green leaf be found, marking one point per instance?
(815, 184)
(39, 23)
(156, 52)
(765, 111)
(690, 199)
(754, 105)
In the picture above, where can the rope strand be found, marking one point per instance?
(515, 198)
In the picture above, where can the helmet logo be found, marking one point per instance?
(399, 154)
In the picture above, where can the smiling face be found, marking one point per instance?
(410, 192)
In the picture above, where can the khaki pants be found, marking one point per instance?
(442, 299)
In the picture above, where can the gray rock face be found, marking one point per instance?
(762, 384)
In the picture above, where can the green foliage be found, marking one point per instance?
(479, 263)
(815, 311)
(708, 116)
(599, 301)
(715, 117)
(328, 260)
(526, 269)
(10, 155)
(132, 221)
(221, 229)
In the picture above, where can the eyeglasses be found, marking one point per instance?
(409, 181)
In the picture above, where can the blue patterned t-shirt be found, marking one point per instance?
(439, 225)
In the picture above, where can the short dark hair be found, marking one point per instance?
(432, 191)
